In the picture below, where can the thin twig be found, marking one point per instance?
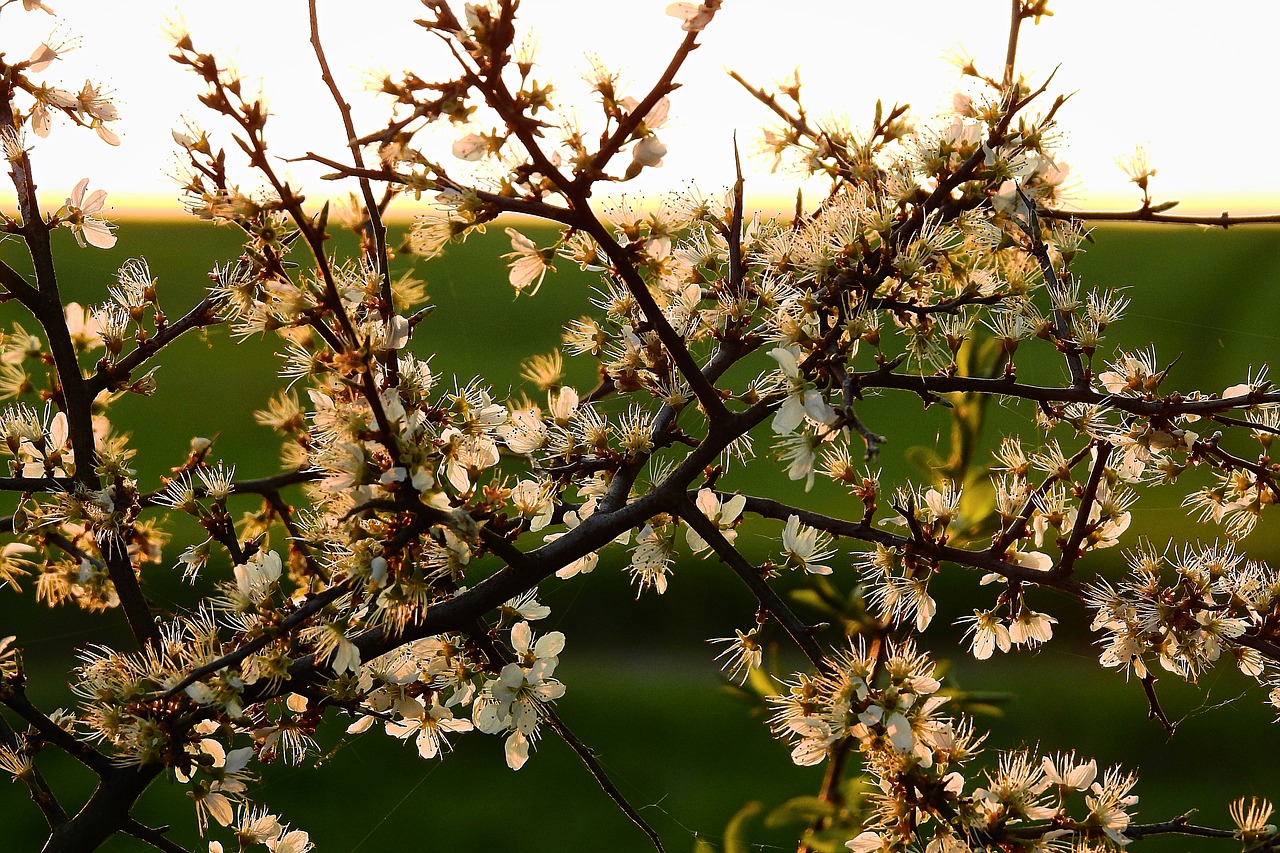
(372, 210)
(1223, 220)
(1056, 285)
(1071, 551)
(1011, 50)
(866, 532)
(155, 836)
(15, 698)
(1154, 711)
(1177, 826)
(769, 599)
(588, 757)
(313, 605)
(41, 794)
(109, 374)
(1018, 528)
(497, 655)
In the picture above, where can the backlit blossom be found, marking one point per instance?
(805, 547)
(695, 17)
(427, 725)
(513, 702)
(724, 515)
(471, 147)
(529, 264)
(988, 633)
(1064, 772)
(801, 400)
(649, 152)
(83, 220)
(741, 655)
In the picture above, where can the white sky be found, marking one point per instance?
(1193, 85)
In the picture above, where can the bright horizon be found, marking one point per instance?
(1189, 88)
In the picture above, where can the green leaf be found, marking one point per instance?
(977, 502)
(811, 598)
(735, 837)
(760, 682)
(925, 459)
(700, 846)
(803, 809)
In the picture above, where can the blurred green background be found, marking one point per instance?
(642, 685)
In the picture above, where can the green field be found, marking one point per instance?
(642, 689)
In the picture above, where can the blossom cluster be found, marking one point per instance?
(890, 710)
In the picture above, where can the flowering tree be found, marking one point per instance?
(392, 574)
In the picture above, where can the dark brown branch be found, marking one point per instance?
(1011, 50)
(201, 315)
(525, 129)
(458, 613)
(627, 125)
(982, 560)
(597, 771)
(45, 303)
(1162, 407)
(41, 794)
(313, 605)
(106, 812)
(1071, 551)
(124, 577)
(523, 206)
(57, 540)
(1177, 826)
(1154, 711)
(15, 698)
(946, 306)
(372, 210)
(155, 836)
(1250, 425)
(13, 282)
(499, 657)
(297, 541)
(734, 236)
(1056, 285)
(769, 599)
(941, 195)
(672, 341)
(832, 779)
(578, 191)
(1209, 447)
(263, 486)
(36, 484)
(1134, 831)
(251, 120)
(1223, 220)
(1019, 527)
(798, 123)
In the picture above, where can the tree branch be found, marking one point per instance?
(499, 657)
(1071, 551)
(108, 375)
(1223, 220)
(155, 836)
(800, 633)
(41, 794)
(372, 211)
